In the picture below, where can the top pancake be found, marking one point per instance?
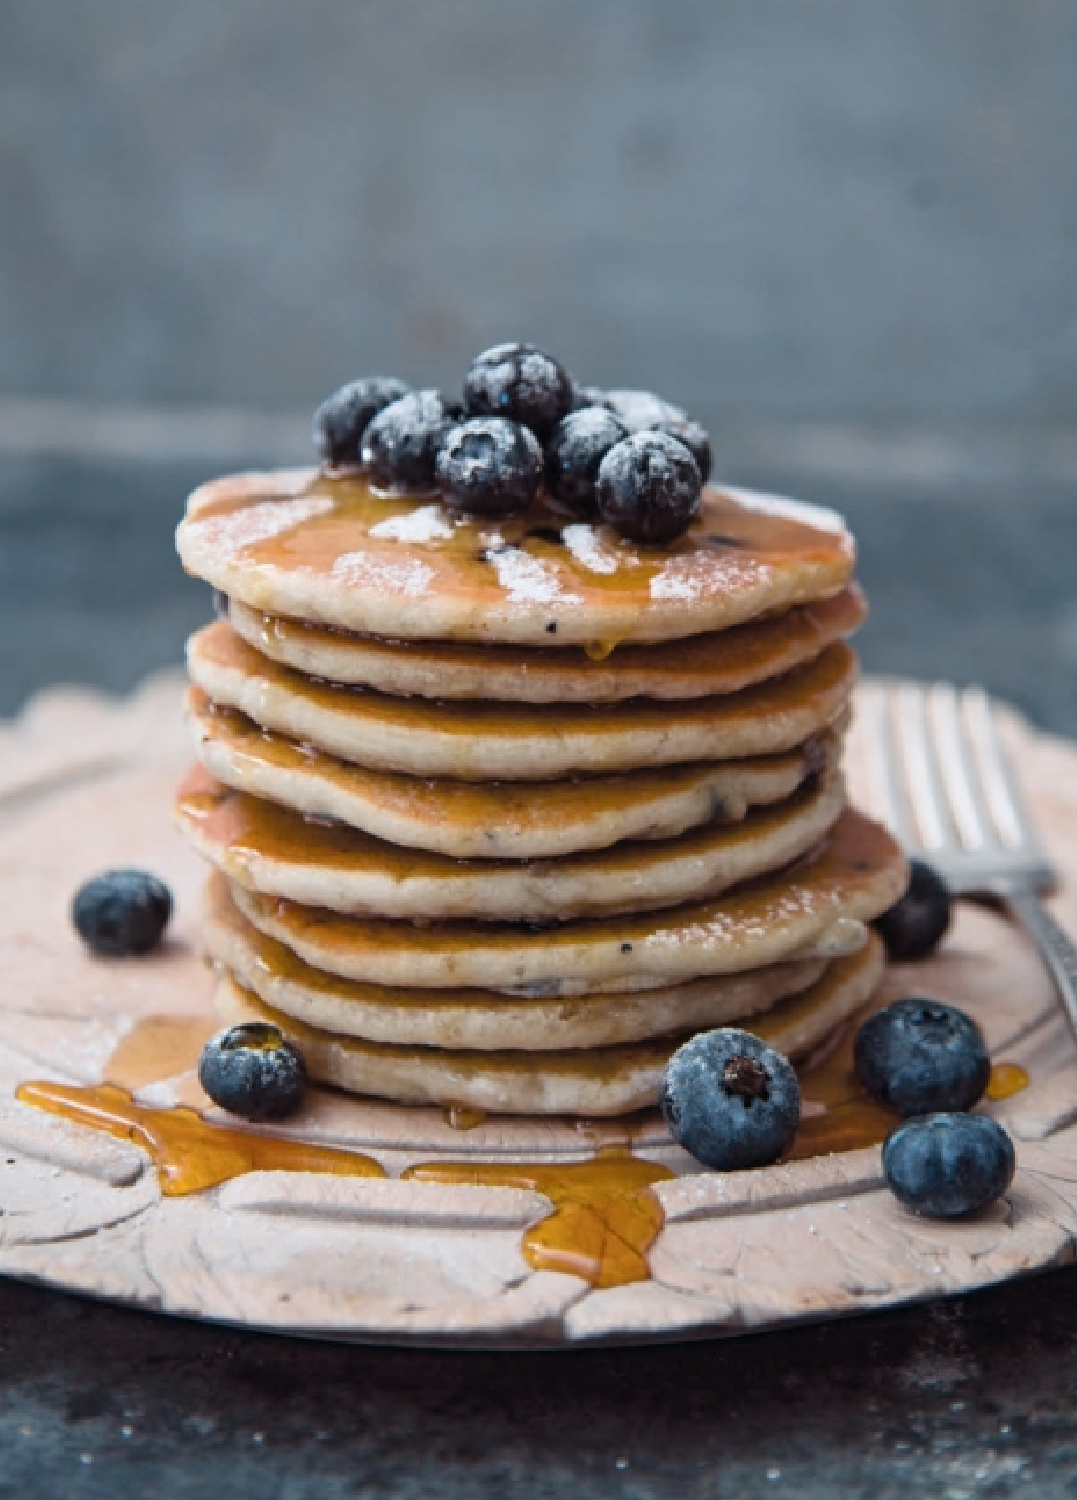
(329, 551)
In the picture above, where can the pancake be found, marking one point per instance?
(482, 1019)
(599, 1082)
(485, 741)
(279, 852)
(498, 820)
(325, 549)
(719, 662)
(857, 873)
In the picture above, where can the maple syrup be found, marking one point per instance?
(463, 1117)
(858, 868)
(491, 820)
(720, 662)
(1006, 1079)
(804, 700)
(189, 1152)
(605, 1217)
(331, 547)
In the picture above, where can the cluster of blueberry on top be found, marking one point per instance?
(624, 457)
(729, 1099)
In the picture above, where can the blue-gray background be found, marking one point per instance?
(842, 234)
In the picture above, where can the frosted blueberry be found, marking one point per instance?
(252, 1070)
(489, 466)
(948, 1165)
(640, 410)
(694, 437)
(649, 487)
(520, 382)
(121, 913)
(914, 926)
(919, 1056)
(340, 421)
(574, 454)
(400, 446)
(731, 1100)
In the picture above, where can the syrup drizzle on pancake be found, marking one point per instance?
(322, 548)
(718, 662)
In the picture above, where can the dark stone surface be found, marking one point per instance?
(976, 1396)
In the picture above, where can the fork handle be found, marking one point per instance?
(1056, 948)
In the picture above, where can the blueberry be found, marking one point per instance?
(122, 912)
(519, 381)
(400, 447)
(731, 1100)
(574, 454)
(694, 437)
(254, 1071)
(339, 423)
(948, 1165)
(489, 466)
(914, 926)
(642, 410)
(918, 1056)
(649, 487)
(588, 395)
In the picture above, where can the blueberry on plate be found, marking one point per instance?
(649, 487)
(400, 446)
(731, 1100)
(914, 926)
(948, 1165)
(574, 454)
(489, 466)
(120, 913)
(340, 421)
(252, 1070)
(520, 382)
(919, 1056)
(694, 437)
(639, 411)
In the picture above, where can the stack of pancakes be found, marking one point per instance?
(499, 812)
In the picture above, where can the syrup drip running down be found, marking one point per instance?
(463, 1117)
(1007, 1078)
(190, 1153)
(605, 1217)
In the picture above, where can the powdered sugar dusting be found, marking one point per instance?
(590, 547)
(360, 570)
(695, 575)
(733, 930)
(676, 582)
(819, 516)
(528, 580)
(429, 523)
(231, 532)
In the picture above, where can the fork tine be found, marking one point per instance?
(1007, 814)
(881, 768)
(956, 765)
(921, 777)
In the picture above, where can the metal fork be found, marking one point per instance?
(939, 778)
